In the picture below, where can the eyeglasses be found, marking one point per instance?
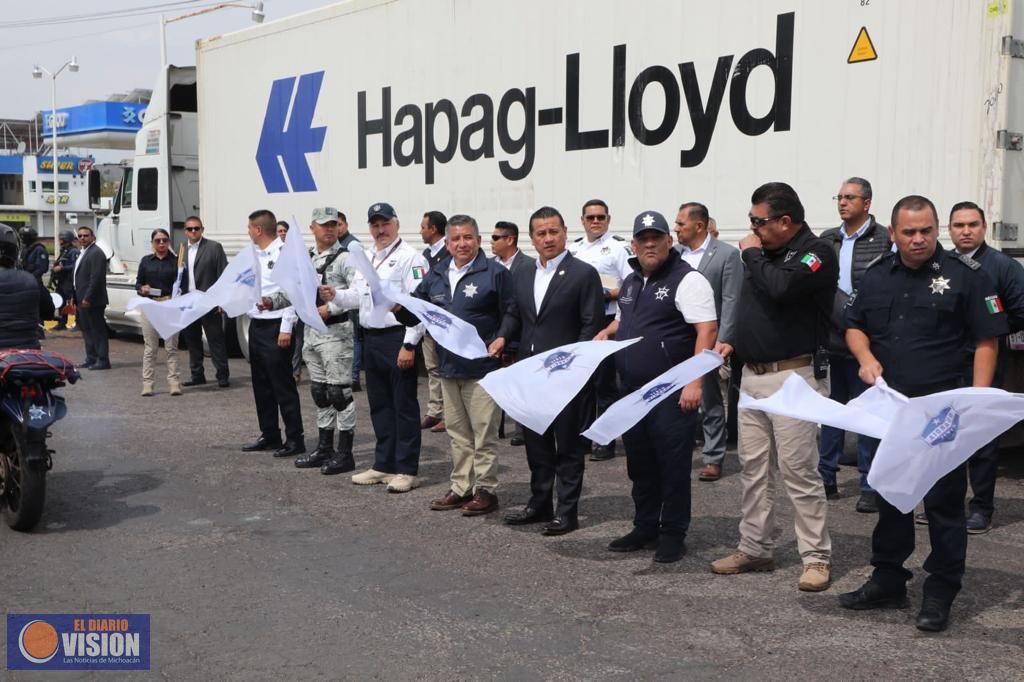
(496, 237)
(595, 218)
(85, 235)
(160, 241)
(848, 197)
(761, 222)
(193, 229)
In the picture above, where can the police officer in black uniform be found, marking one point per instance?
(912, 322)
(24, 303)
(62, 277)
(671, 307)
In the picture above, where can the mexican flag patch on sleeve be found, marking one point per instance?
(418, 271)
(811, 261)
(993, 304)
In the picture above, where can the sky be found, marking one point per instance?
(115, 54)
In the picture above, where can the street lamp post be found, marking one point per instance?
(37, 72)
(255, 7)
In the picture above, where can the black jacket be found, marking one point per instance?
(24, 303)
(522, 266)
(480, 298)
(63, 281)
(434, 261)
(35, 260)
(91, 277)
(210, 263)
(786, 299)
(572, 309)
(872, 244)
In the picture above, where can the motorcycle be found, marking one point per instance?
(29, 404)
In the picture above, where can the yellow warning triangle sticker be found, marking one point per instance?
(863, 49)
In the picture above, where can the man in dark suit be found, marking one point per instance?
(90, 277)
(203, 261)
(562, 303)
(432, 229)
(505, 247)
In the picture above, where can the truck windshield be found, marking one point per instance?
(123, 198)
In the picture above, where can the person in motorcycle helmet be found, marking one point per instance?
(34, 258)
(24, 302)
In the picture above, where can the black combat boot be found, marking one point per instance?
(343, 460)
(324, 451)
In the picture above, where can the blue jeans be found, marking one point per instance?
(845, 386)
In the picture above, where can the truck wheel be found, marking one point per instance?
(237, 337)
(23, 487)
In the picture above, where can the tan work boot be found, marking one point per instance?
(372, 477)
(147, 388)
(816, 577)
(402, 483)
(175, 388)
(741, 562)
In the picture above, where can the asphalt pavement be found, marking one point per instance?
(253, 569)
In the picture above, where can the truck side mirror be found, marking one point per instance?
(95, 183)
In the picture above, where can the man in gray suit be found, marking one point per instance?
(722, 266)
(203, 261)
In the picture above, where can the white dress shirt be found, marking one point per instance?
(694, 256)
(508, 263)
(401, 268)
(609, 256)
(436, 247)
(267, 258)
(78, 261)
(193, 249)
(456, 273)
(543, 277)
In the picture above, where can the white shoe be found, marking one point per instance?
(402, 483)
(372, 477)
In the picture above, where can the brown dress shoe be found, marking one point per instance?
(439, 427)
(483, 502)
(451, 500)
(427, 421)
(711, 472)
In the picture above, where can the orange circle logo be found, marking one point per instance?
(38, 641)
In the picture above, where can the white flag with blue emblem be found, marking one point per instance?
(237, 290)
(295, 274)
(535, 390)
(358, 259)
(625, 413)
(450, 331)
(171, 316)
(932, 435)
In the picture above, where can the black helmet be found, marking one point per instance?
(28, 235)
(67, 236)
(9, 246)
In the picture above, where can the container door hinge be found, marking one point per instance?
(1009, 140)
(1013, 47)
(1005, 232)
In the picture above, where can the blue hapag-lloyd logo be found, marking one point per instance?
(67, 641)
(290, 136)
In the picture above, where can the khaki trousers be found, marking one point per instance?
(770, 445)
(435, 398)
(152, 345)
(472, 418)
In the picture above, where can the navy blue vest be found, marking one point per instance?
(649, 310)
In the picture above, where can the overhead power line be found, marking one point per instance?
(145, 10)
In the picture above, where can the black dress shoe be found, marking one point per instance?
(291, 448)
(871, 595)
(222, 383)
(86, 364)
(868, 502)
(978, 523)
(602, 453)
(528, 515)
(516, 441)
(194, 381)
(634, 541)
(934, 615)
(261, 444)
(671, 548)
(831, 491)
(561, 525)
(100, 365)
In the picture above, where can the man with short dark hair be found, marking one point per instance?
(24, 302)
(609, 254)
(270, 352)
(34, 258)
(90, 277)
(562, 303)
(967, 231)
(432, 230)
(721, 265)
(202, 261)
(914, 316)
(781, 329)
(858, 241)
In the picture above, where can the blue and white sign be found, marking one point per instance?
(95, 117)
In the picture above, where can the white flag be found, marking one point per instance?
(237, 290)
(295, 274)
(176, 289)
(535, 390)
(934, 434)
(450, 331)
(625, 413)
(381, 305)
(171, 316)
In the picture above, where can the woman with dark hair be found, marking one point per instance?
(155, 280)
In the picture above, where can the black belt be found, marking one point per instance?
(337, 319)
(373, 331)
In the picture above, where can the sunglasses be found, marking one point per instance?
(761, 222)
(496, 237)
(193, 229)
(160, 241)
(848, 197)
(85, 235)
(597, 218)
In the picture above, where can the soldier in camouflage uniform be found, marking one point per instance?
(329, 356)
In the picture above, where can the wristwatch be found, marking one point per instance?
(408, 346)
